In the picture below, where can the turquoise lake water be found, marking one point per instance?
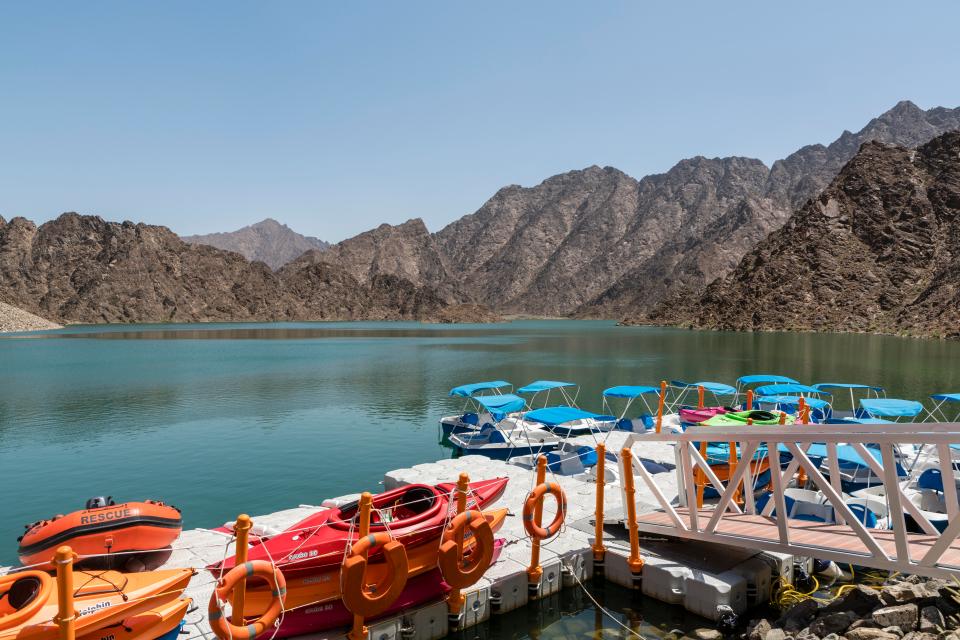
(230, 418)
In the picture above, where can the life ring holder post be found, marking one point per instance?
(359, 631)
(241, 529)
(455, 599)
(533, 516)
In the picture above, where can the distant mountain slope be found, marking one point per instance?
(268, 241)
(552, 248)
(83, 269)
(877, 251)
(686, 264)
(406, 250)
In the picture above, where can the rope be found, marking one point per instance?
(606, 611)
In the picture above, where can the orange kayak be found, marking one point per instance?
(111, 528)
(101, 598)
(147, 625)
(324, 584)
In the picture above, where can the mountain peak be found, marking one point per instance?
(268, 241)
(904, 107)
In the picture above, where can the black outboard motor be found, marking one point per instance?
(99, 502)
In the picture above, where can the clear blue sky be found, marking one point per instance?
(335, 117)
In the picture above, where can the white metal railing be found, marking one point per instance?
(893, 549)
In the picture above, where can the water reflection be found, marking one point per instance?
(572, 614)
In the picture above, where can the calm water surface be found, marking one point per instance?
(229, 418)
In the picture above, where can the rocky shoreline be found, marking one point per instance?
(908, 608)
(14, 319)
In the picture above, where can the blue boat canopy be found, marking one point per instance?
(815, 403)
(946, 397)
(891, 407)
(501, 405)
(544, 385)
(846, 385)
(718, 388)
(765, 378)
(555, 416)
(467, 390)
(628, 391)
(788, 388)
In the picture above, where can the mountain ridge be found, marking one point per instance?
(877, 251)
(268, 241)
(592, 242)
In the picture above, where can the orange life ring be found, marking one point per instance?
(222, 627)
(356, 596)
(42, 590)
(461, 571)
(536, 497)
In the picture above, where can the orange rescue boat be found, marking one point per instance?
(103, 527)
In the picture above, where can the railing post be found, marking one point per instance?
(635, 562)
(66, 616)
(455, 599)
(242, 532)
(701, 477)
(663, 395)
(359, 631)
(732, 460)
(535, 571)
(599, 551)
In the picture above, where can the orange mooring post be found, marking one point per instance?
(66, 616)
(700, 397)
(663, 395)
(803, 414)
(749, 406)
(359, 631)
(455, 599)
(635, 562)
(783, 417)
(599, 551)
(535, 571)
(242, 531)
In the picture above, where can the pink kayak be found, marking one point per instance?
(420, 590)
(696, 416)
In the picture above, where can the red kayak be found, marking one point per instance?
(420, 590)
(413, 514)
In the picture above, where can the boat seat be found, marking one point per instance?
(414, 502)
(588, 456)
(22, 592)
(496, 437)
(470, 418)
(931, 479)
(866, 517)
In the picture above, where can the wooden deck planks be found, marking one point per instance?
(744, 529)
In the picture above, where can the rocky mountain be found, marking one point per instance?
(83, 269)
(685, 265)
(804, 173)
(594, 242)
(877, 251)
(597, 242)
(267, 241)
(407, 251)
